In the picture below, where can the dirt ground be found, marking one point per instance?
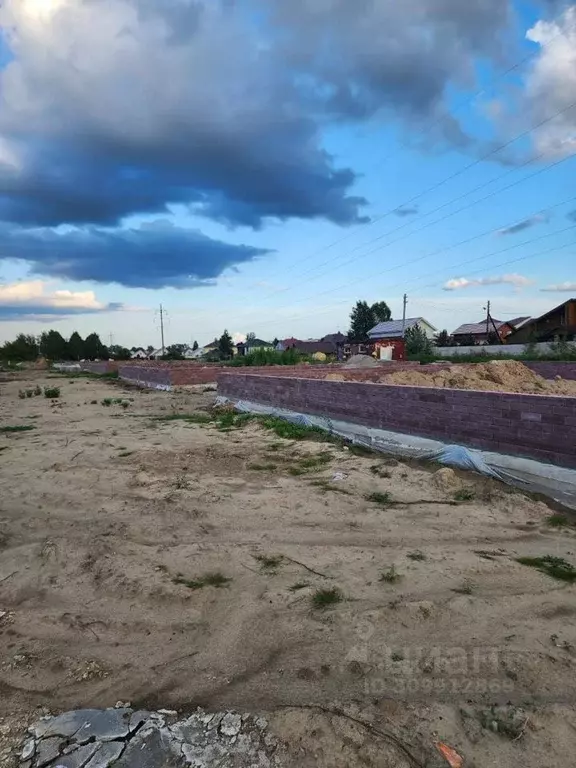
(113, 523)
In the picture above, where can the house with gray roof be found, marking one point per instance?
(392, 330)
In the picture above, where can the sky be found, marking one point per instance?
(261, 165)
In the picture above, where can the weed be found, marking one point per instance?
(217, 580)
(377, 470)
(557, 521)
(29, 393)
(556, 567)
(37, 391)
(324, 598)
(125, 404)
(326, 485)
(391, 575)
(397, 656)
(118, 401)
(464, 494)
(52, 393)
(298, 586)
(269, 563)
(19, 428)
(22, 394)
(181, 481)
(360, 450)
(107, 401)
(383, 499)
(262, 467)
(467, 588)
(416, 555)
(290, 431)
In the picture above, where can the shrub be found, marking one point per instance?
(52, 393)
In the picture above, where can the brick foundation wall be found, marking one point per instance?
(145, 376)
(549, 370)
(104, 366)
(534, 426)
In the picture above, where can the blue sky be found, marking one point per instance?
(272, 163)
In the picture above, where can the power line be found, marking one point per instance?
(457, 173)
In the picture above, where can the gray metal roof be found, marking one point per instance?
(474, 329)
(393, 328)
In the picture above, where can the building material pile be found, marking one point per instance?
(495, 376)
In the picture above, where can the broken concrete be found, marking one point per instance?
(122, 738)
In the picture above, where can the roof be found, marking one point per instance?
(476, 329)
(393, 328)
(255, 343)
(310, 347)
(519, 321)
(335, 338)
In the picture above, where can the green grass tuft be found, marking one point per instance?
(391, 575)
(464, 494)
(269, 563)
(325, 598)
(262, 467)
(19, 428)
(52, 393)
(556, 567)
(216, 580)
(384, 499)
(558, 521)
(416, 555)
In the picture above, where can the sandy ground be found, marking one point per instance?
(105, 510)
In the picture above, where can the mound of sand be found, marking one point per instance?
(495, 376)
(361, 361)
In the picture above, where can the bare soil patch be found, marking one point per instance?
(174, 563)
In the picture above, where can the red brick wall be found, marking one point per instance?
(534, 426)
(550, 370)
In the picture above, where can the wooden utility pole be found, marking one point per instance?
(162, 328)
(487, 318)
(405, 302)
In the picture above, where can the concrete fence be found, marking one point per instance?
(494, 350)
(534, 426)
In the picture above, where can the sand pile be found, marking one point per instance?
(361, 361)
(498, 375)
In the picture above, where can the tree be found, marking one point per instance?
(175, 352)
(117, 352)
(54, 346)
(417, 342)
(443, 339)
(76, 346)
(94, 349)
(225, 346)
(381, 312)
(275, 343)
(361, 321)
(23, 348)
(195, 346)
(250, 337)
(149, 349)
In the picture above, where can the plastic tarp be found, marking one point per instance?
(558, 483)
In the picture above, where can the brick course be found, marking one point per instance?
(533, 426)
(551, 369)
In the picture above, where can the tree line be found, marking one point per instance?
(53, 346)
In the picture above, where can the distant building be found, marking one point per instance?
(470, 334)
(387, 338)
(559, 322)
(253, 345)
(139, 354)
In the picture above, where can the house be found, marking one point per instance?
(253, 345)
(284, 344)
(393, 330)
(332, 345)
(470, 334)
(138, 353)
(559, 322)
(387, 338)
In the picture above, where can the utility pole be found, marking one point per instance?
(405, 302)
(487, 318)
(162, 328)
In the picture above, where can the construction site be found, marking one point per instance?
(226, 584)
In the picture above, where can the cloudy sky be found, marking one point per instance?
(260, 165)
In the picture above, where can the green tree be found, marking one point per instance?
(76, 346)
(195, 346)
(417, 342)
(381, 312)
(94, 349)
(250, 337)
(118, 352)
(443, 339)
(225, 346)
(24, 348)
(361, 321)
(175, 352)
(54, 346)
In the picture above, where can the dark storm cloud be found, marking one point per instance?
(153, 256)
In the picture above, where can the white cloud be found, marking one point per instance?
(568, 286)
(550, 86)
(457, 283)
(31, 299)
